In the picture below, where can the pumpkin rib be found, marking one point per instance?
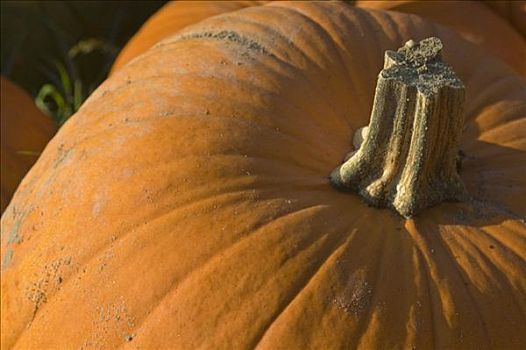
(371, 19)
(494, 272)
(339, 248)
(440, 300)
(389, 248)
(389, 25)
(409, 268)
(316, 25)
(252, 22)
(513, 111)
(289, 163)
(100, 252)
(235, 245)
(168, 21)
(498, 204)
(512, 12)
(339, 48)
(357, 223)
(121, 236)
(336, 46)
(468, 238)
(508, 46)
(310, 23)
(518, 124)
(489, 153)
(354, 82)
(392, 246)
(519, 223)
(492, 88)
(297, 289)
(167, 41)
(430, 272)
(480, 72)
(507, 246)
(431, 288)
(364, 324)
(367, 28)
(459, 272)
(475, 253)
(492, 154)
(293, 138)
(211, 116)
(192, 203)
(502, 277)
(312, 120)
(421, 265)
(189, 34)
(515, 142)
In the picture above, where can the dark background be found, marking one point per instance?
(60, 51)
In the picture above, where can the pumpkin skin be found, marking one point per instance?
(187, 204)
(174, 16)
(473, 20)
(25, 133)
(514, 11)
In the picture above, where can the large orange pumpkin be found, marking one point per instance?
(25, 133)
(187, 204)
(472, 20)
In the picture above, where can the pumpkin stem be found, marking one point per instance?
(407, 157)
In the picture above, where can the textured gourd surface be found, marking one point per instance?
(482, 26)
(474, 21)
(25, 133)
(174, 16)
(187, 204)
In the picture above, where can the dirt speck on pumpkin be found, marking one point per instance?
(356, 297)
(38, 289)
(248, 44)
(110, 318)
(62, 155)
(14, 236)
(8, 257)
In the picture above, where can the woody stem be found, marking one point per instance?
(407, 159)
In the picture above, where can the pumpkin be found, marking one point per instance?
(188, 203)
(174, 16)
(25, 133)
(473, 20)
(514, 11)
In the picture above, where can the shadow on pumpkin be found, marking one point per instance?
(492, 176)
(471, 251)
(495, 184)
(472, 270)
